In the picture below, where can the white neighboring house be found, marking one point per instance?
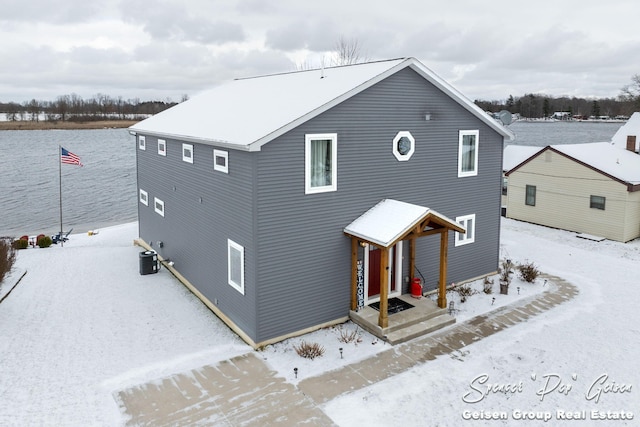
(591, 188)
(628, 136)
(514, 155)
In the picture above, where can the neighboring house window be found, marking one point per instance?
(469, 223)
(221, 161)
(468, 153)
(530, 195)
(597, 202)
(321, 169)
(158, 206)
(144, 197)
(162, 147)
(235, 262)
(187, 153)
(142, 143)
(505, 184)
(403, 146)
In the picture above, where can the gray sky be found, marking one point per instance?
(163, 49)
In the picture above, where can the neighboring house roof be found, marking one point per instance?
(516, 154)
(247, 113)
(390, 220)
(617, 163)
(632, 127)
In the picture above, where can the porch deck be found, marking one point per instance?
(423, 318)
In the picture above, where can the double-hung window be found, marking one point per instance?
(235, 265)
(530, 195)
(187, 153)
(141, 142)
(468, 153)
(162, 147)
(469, 223)
(321, 167)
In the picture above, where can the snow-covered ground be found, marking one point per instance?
(83, 323)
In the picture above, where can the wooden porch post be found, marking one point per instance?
(442, 286)
(354, 273)
(383, 318)
(412, 258)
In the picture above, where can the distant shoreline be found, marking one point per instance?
(47, 125)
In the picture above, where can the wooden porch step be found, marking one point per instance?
(424, 327)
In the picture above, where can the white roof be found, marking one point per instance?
(516, 154)
(617, 162)
(247, 113)
(632, 127)
(389, 220)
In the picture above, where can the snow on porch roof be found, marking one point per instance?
(389, 220)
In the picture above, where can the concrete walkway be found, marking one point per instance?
(245, 391)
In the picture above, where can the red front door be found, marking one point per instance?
(374, 272)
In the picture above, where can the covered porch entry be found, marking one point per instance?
(384, 226)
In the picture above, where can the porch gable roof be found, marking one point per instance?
(390, 221)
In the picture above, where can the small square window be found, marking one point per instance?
(530, 195)
(144, 197)
(158, 206)
(221, 161)
(235, 260)
(162, 147)
(321, 158)
(187, 153)
(468, 153)
(469, 223)
(142, 143)
(597, 202)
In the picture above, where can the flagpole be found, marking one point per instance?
(60, 181)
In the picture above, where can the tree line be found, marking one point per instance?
(539, 105)
(75, 108)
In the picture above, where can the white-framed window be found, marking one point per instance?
(187, 153)
(530, 195)
(235, 265)
(469, 223)
(403, 146)
(221, 161)
(321, 163)
(468, 153)
(141, 142)
(162, 147)
(158, 205)
(144, 197)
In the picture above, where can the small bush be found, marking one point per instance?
(528, 272)
(309, 350)
(487, 286)
(21, 244)
(7, 256)
(44, 241)
(465, 291)
(347, 336)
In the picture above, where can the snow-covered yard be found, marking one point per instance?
(83, 324)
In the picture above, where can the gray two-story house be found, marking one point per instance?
(285, 201)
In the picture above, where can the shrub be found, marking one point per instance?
(21, 244)
(44, 242)
(487, 285)
(7, 256)
(528, 272)
(465, 291)
(347, 336)
(309, 350)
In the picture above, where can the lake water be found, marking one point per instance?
(103, 192)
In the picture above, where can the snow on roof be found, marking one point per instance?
(610, 159)
(247, 113)
(516, 154)
(389, 220)
(631, 127)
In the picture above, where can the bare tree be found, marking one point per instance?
(348, 52)
(631, 92)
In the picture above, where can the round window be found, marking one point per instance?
(403, 146)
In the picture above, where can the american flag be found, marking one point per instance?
(69, 158)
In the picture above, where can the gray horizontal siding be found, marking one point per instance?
(304, 258)
(195, 232)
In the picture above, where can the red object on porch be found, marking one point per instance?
(416, 288)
